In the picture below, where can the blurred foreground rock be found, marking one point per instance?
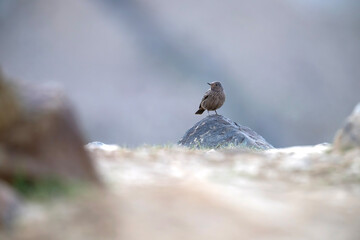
(349, 136)
(39, 140)
(9, 204)
(215, 131)
(39, 136)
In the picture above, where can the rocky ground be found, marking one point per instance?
(176, 193)
(52, 187)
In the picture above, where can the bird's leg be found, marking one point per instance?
(216, 112)
(208, 112)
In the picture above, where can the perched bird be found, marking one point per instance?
(213, 99)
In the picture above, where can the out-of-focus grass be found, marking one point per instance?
(46, 188)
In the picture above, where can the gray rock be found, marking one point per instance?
(348, 136)
(216, 131)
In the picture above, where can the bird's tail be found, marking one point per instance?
(200, 111)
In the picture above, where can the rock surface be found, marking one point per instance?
(349, 136)
(39, 137)
(216, 131)
(9, 204)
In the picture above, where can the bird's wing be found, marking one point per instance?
(206, 95)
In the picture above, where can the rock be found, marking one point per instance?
(9, 204)
(102, 146)
(39, 137)
(216, 131)
(348, 136)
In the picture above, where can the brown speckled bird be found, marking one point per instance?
(213, 99)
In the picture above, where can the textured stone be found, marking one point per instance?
(216, 131)
(349, 135)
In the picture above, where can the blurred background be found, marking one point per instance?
(136, 70)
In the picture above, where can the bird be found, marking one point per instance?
(213, 98)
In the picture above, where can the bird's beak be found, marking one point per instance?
(209, 84)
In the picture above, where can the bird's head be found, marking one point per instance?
(216, 86)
